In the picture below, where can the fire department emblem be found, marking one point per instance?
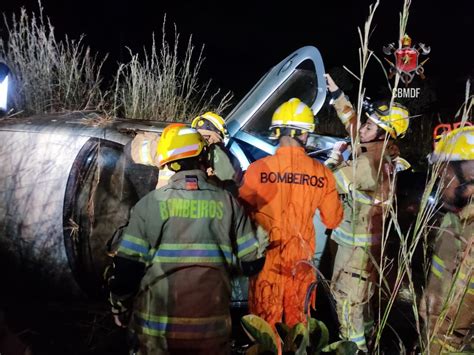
(406, 59)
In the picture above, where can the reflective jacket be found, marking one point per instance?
(187, 234)
(282, 193)
(449, 294)
(364, 184)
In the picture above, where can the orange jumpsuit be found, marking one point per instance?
(281, 193)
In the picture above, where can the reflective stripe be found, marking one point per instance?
(359, 339)
(346, 308)
(461, 278)
(188, 148)
(298, 124)
(214, 121)
(246, 244)
(437, 266)
(145, 155)
(344, 237)
(343, 182)
(186, 131)
(210, 252)
(133, 246)
(188, 259)
(180, 327)
(195, 246)
(345, 116)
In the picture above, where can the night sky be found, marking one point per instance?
(243, 39)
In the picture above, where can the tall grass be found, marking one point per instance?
(48, 74)
(53, 75)
(159, 85)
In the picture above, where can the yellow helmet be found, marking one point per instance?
(293, 114)
(456, 145)
(177, 142)
(210, 118)
(394, 121)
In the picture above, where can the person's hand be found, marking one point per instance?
(211, 137)
(340, 147)
(121, 319)
(332, 87)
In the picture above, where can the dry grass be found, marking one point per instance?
(48, 74)
(161, 86)
(54, 75)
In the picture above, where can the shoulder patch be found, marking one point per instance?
(192, 182)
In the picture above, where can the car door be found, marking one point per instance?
(300, 75)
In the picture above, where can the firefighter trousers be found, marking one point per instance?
(352, 287)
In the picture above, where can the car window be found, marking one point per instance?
(301, 84)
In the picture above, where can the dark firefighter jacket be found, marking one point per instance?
(187, 235)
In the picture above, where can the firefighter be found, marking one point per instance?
(224, 169)
(282, 193)
(364, 183)
(224, 166)
(174, 258)
(448, 302)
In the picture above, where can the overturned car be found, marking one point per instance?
(67, 184)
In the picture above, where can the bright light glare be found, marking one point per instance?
(3, 94)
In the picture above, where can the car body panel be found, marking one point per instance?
(66, 185)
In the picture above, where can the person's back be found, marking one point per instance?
(185, 294)
(175, 256)
(282, 193)
(285, 190)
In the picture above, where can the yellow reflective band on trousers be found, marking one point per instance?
(195, 209)
(461, 278)
(193, 253)
(359, 339)
(183, 328)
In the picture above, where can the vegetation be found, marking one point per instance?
(55, 75)
(311, 339)
(49, 75)
(163, 87)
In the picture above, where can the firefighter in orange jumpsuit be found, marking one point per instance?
(282, 193)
